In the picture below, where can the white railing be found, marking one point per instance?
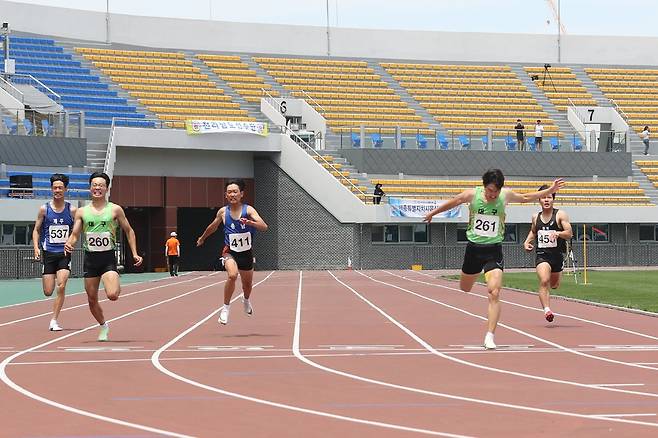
(110, 156)
(13, 91)
(620, 111)
(39, 84)
(309, 97)
(321, 160)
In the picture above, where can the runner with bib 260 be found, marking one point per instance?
(98, 222)
(485, 234)
(240, 223)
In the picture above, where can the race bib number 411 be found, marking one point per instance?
(58, 233)
(240, 242)
(97, 242)
(486, 225)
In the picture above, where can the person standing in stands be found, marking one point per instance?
(51, 230)
(378, 193)
(539, 135)
(172, 252)
(485, 233)
(520, 134)
(644, 135)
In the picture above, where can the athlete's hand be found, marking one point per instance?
(68, 248)
(37, 254)
(199, 242)
(428, 218)
(557, 185)
(138, 260)
(246, 221)
(528, 246)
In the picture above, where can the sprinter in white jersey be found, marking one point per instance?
(240, 221)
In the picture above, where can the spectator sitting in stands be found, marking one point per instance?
(539, 134)
(378, 193)
(520, 134)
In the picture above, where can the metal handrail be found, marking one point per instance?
(15, 92)
(313, 100)
(619, 110)
(58, 98)
(315, 153)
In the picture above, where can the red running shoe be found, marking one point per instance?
(549, 316)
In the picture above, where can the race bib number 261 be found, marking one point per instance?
(486, 225)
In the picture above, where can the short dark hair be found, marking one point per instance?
(100, 175)
(544, 187)
(59, 177)
(494, 176)
(238, 182)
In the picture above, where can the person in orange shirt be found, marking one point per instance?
(172, 252)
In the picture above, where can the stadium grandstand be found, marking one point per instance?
(424, 126)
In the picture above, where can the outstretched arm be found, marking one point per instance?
(121, 218)
(533, 196)
(254, 219)
(462, 198)
(212, 227)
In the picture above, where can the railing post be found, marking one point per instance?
(66, 124)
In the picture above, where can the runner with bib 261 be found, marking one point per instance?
(485, 234)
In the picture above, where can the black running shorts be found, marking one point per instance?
(556, 261)
(98, 263)
(55, 261)
(480, 257)
(245, 259)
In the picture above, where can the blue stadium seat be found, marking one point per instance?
(421, 141)
(510, 143)
(576, 144)
(443, 142)
(11, 124)
(377, 140)
(465, 143)
(555, 144)
(485, 142)
(403, 143)
(46, 128)
(532, 146)
(356, 140)
(29, 127)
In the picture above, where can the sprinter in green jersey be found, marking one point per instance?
(99, 222)
(485, 234)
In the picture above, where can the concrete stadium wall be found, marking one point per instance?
(312, 40)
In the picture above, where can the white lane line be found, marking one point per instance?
(155, 360)
(433, 351)
(621, 415)
(521, 332)
(70, 294)
(576, 318)
(617, 384)
(20, 389)
(102, 301)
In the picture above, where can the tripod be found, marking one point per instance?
(570, 261)
(547, 73)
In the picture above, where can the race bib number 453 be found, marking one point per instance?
(58, 233)
(240, 242)
(97, 242)
(486, 225)
(546, 239)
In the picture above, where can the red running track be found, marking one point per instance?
(349, 353)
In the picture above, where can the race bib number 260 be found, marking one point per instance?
(97, 242)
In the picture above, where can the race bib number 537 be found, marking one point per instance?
(58, 233)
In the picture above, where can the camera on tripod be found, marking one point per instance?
(547, 66)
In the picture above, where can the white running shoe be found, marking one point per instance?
(246, 304)
(54, 327)
(489, 343)
(104, 332)
(223, 315)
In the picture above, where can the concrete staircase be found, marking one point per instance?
(590, 86)
(559, 117)
(407, 98)
(644, 183)
(354, 172)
